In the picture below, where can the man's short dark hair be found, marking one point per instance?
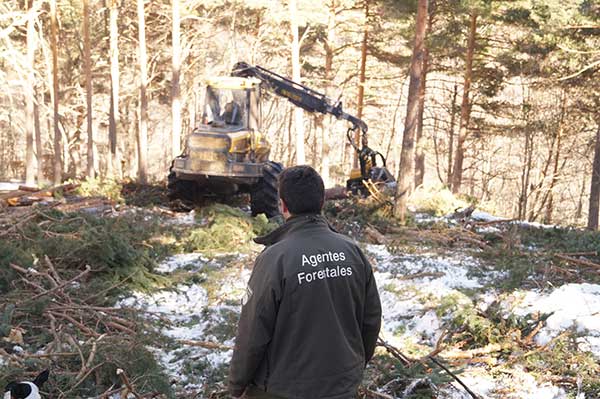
(302, 189)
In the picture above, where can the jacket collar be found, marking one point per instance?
(293, 223)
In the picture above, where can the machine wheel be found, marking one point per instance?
(181, 189)
(264, 197)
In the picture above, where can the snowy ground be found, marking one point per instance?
(188, 313)
(412, 286)
(410, 319)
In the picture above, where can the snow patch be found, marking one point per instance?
(10, 186)
(182, 260)
(183, 219)
(485, 217)
(190, 316)
(183, 301)
(407, 317)
(512, 384)
(571, 306)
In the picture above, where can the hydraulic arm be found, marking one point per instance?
(313, 101)
(298, 94)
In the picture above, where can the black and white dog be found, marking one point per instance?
(26, 389)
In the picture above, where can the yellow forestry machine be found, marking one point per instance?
(227, 153)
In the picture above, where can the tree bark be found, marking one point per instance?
(451, 136)
(579, 210)
(326, 128)
(87, 64)
(298, 114)
(406, 169)
(420, 142)
(175, 88)
(595, 186)
(30, 114)
(143, 122)
(55, 94)
(361, 79)
(555, 168)
(113, 120)
(419, 151)
(465, 108)
(525, 177)
(39, 149)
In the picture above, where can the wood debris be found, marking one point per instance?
(25, 196)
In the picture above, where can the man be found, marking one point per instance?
(311, 314)
(232, 114)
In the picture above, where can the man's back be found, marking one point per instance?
(312, 316)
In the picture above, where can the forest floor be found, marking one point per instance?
(510, 309)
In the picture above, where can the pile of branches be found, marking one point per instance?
(60, 275)
(50, 321)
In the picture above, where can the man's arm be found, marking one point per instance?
(255, 327)
(372, 313)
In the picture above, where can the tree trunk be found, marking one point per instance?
(406, 169)
(465, 108)
(113, 119)
(87, 62)
(555, 170)
(326, 128)
(595, 186)
(55, 94)
(525, 176)
(579, 210)
(175, 88)
(143, 131)
(39, 150)
(419, 151)
(298, 115)
(451, 136)
(30, 114)
(362, 79)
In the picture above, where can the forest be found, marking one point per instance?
(486, 247)
(506, 112)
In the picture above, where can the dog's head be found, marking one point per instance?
(26, 389)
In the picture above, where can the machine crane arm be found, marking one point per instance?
(298, 94)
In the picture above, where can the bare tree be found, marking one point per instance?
(30, 95)
(55, 94)
(298, 114)
(113, 119)
(595, 186)
(361, 79)
(555, 168)
(406, 169)
(451, 135)
(39, 149)
(143, 122)
(328, 44)
(465, 108)
(523, 203)
(420, 141)
(175, 87)
(419, 150)
(87, 65)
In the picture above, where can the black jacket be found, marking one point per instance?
(311, 315)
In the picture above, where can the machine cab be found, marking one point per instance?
(232, 104)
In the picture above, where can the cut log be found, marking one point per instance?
(581, 262)
(45, 193)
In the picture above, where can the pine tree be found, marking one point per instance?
(406, 172)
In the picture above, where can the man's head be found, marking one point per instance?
(301, 190)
